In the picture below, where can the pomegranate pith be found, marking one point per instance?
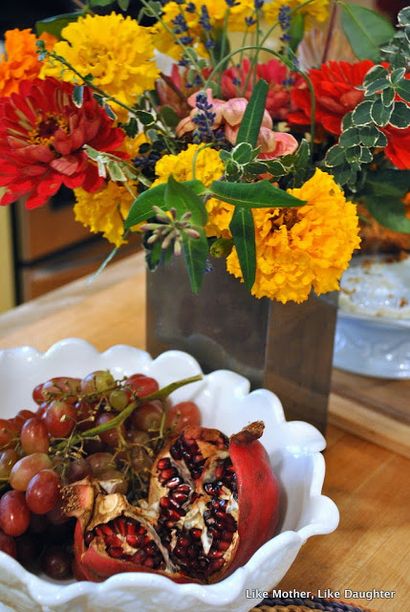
(212, 503)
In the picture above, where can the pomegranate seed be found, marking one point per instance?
(168, 473)
(196, 533)
(164, 502)
(215, 554)
(173, 482)
(115, 552)
(139, 556)
(224, 545)
(122, 528)
(163, 464)
(132, 540)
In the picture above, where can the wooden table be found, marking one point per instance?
(369, 483)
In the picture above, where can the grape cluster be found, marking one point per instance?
(67, 437)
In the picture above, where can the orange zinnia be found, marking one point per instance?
(21, 59)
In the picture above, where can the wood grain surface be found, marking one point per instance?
(370, 484)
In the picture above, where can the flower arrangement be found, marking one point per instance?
(242, 150)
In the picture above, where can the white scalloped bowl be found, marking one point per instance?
(224, 399)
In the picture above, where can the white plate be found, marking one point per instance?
(224, 399)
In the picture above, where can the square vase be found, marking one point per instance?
(286, 348)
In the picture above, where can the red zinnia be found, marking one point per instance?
(274, 73)
(335, 86)
(42, 135)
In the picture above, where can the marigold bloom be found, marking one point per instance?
(42, 135)
(304, 248)
(104, 210)
(315, 11)
(116, 51)
(21, 59)
(208, 168)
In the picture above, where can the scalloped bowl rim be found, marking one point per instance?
(227, 591)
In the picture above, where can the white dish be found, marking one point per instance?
(226, 403)
(373, 325)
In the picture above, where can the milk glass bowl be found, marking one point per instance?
(226, 403)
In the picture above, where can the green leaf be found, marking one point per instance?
(93, 3)
(350, 137)
(401, 115)
(390, 212)
(243, 153)
(335, 156)
(145, 118)
(396, 75)
(404, 16)
(353, 154)
(365, 156)
(376, 86)
(184, 199)
(388, 96)
(381, 140)
(243, 234)
(374, 74)
(388, 183)
(54, 25)
(369, 135)
(257, 167)
(366, 31)
(169, 116)
(296, 30)
(253, 195)
(110, 112)
(380, 113)
(78, 95)
(252, 118)
(123, 4)
(141, 208)
(403, 89)
(347, 121)
(195, 254)
(361, 114)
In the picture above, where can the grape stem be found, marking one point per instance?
(122, 416)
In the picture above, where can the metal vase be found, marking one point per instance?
(286, 348)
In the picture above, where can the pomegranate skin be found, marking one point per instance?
(259, 514)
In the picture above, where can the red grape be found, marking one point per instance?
(119, 399)
(34, 436)
(8, 432)
(141, 385)
(100, 461)
(27, 467)
(7, 459)
(60, 419)
(14, 513)
(60, 387)
(182, 415)
(148, 417)
(22, 417)
(111, 437)
(56, 563)
(8, 545)
(43, 491)
(77, 470)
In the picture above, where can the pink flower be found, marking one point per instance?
(229, 115)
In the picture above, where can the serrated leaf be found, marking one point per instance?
(349, 138)
(380, 113)
(361, 114)
(403, 89)
(388, 96)
(390, 212)
(335, 156)
(141, 208)
(253, 115)
(365, 30)
(253, 195)
(78, 95)
(243, 233)
(54, 25)
(400, 116)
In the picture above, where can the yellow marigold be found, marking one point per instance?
(298, 249)
(314, 11)
(21, 59)
(165, 41)
(104, 210)
(208, 168)
(116, 51)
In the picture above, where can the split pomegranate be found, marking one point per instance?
(212, 503)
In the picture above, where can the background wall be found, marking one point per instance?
(6, 262)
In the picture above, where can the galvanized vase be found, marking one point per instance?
(286, 348)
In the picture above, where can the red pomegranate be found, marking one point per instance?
(212, 503)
